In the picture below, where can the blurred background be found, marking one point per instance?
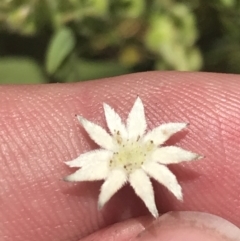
(47, 41)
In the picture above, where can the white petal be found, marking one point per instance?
(88, 157)
(143, 188)
(115, 180)
(136, 122)
(173, 154)
(97, 133)
(96, 170)
(114, 121)
(164, 176)
(163, 132)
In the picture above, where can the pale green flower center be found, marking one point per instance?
(131, 155)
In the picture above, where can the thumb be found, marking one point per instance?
(188, 226)
(172, 226)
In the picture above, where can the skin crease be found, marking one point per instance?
(39, 131)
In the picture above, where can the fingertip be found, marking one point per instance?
(190, 226)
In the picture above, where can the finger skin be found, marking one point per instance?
(174, 226)
(39, 131)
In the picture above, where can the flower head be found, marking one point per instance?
(128, 154)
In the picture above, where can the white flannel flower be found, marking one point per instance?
(130, 155)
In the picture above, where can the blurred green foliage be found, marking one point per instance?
(72, 40)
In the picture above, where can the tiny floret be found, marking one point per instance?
(128, 153)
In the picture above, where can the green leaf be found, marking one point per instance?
(69, 71)
(90, 70)
(61, 46)
(20, 71)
